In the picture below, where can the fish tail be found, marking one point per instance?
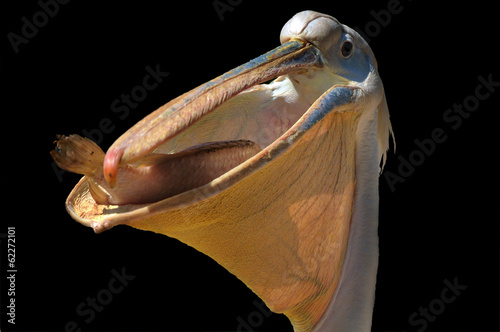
(78, 155)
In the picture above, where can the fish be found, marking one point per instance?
(154, 177)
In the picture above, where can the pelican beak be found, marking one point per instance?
(177, 115)
(280, 220)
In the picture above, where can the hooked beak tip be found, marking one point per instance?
(110, 165)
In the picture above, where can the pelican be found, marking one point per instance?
(277, 182)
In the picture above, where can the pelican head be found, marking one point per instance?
(277, 182)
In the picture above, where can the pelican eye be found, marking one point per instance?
(347, 49)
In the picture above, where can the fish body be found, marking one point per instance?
(154, 177)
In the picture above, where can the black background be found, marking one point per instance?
(440, 223)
